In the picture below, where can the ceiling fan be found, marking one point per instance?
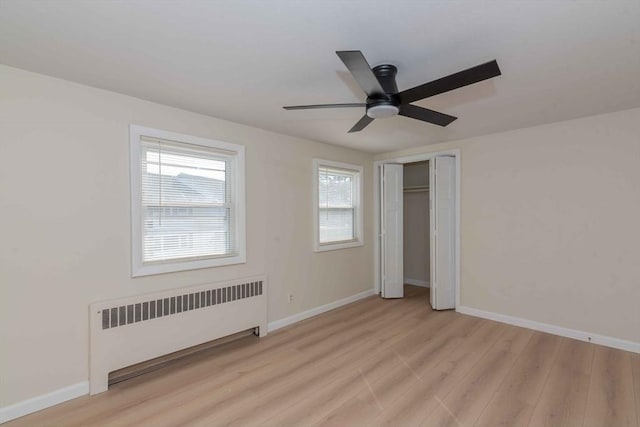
(383, 98)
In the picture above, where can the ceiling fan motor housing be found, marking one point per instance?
(386, 104)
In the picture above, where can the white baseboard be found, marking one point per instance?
(553, 329)
(416, 282)
(281, 323)
(37, 403)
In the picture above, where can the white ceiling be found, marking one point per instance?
(243, 60)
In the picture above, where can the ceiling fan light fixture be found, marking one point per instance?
(383, 98)
(382, 111)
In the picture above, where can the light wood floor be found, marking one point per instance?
(377, 362)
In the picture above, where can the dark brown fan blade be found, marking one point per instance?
(310, 107)
(361, 72)
(451, 82)
(425, 115)
(362, 123)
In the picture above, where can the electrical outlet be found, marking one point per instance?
(290, 297)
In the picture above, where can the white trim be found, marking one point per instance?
(457, 230)
(281, 323)
(553, 329)
(359, 240)
(322, 247)
(26, 407)
(377, 224)
(238, 158)
(416, 282)
(376, 211)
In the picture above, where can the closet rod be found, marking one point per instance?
(416, 189)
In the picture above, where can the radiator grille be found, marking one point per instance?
(132, 313)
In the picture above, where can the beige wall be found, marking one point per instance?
(64, 198)
(550, 223)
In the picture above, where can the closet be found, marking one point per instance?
(418, 218)
(416, 244)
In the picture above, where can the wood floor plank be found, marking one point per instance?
(374, 368)
(439, 346)
(355, 412)
(391, 384)
(375, 362)
(326, 401)
(472, 348)
(564, 396)
(383, 380)
(226, 405)
(216, 393)
(611, 396)
(407, 341)
(514, 401)
(575, 356)
(419, 401)
(464, 404)
(386, 380)
(514, 339)
(272, 401)
(466, 401)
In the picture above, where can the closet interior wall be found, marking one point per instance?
(416, 223)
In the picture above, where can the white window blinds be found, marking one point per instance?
(187, 201)
(337, 204)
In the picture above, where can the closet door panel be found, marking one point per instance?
(392, 232)
(443, 209)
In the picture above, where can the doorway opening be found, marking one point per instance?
(417, 226)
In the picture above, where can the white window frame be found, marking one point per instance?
(138, 268)
(358, 240)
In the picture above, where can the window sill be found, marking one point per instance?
(323, 247)
(170, 267)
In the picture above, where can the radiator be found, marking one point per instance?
(131, 330)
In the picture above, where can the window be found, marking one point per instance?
(337, 205)
(187, 202)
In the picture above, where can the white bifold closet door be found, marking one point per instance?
(442, 204)
(392, 243)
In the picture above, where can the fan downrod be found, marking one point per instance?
(386, 74)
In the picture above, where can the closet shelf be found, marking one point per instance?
(416, 188)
